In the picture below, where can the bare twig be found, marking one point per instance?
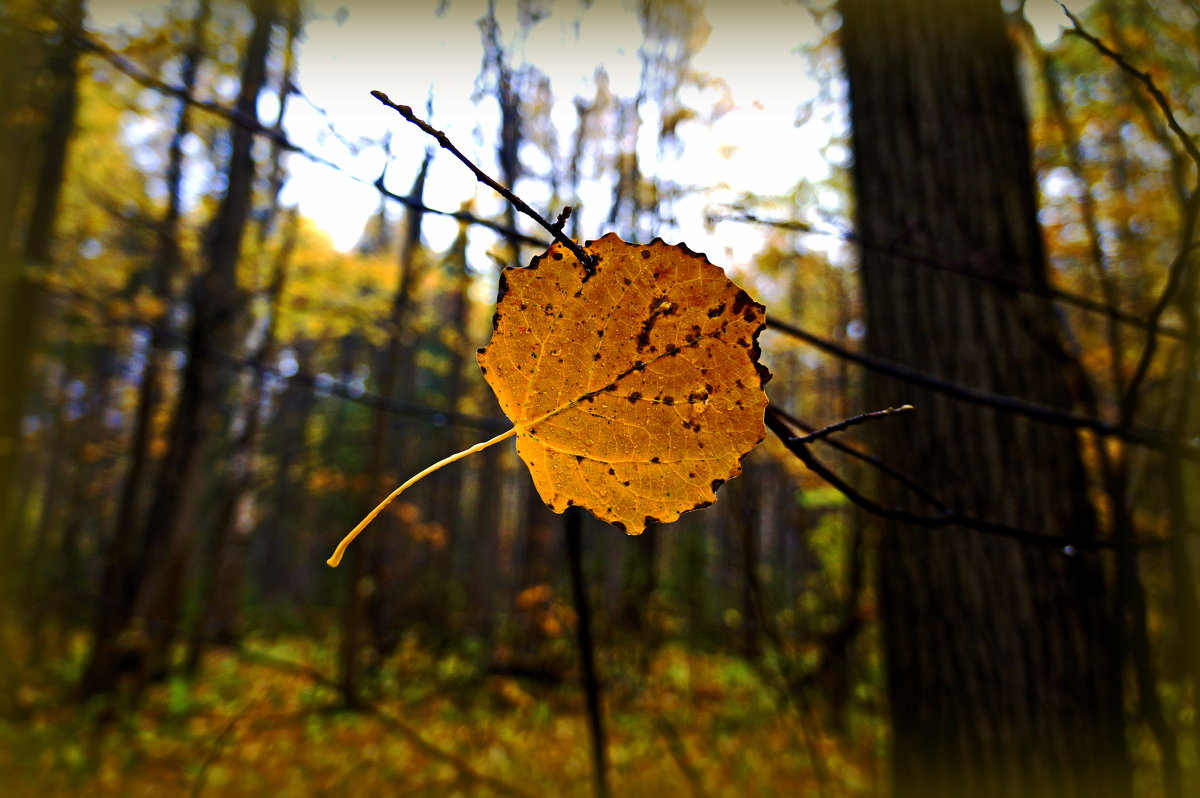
(465, 770)
(1141, 76)
(1151, 438)
(1174, 279)
(86, 41)
(588, 261)
(679, 753)
(853, 421)
(562, 218)
(214, 752)
(950, 517)
(301, 379)
(965, 269)
(1191, 211)
(875, 462)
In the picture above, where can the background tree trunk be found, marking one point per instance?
(152, 591)
(999, 678)
(21, 119)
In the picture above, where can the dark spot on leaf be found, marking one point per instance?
(655, 460)
(633, 397)
(596, 356)
(650, 520)
(717, 311)
(691, 475)
(645, 253)
(627, 281)
(570, 502)
(503, 288)
(672, 349)
(483, 369)
(610, 471)
(618, 524)
(638, 365)
(599, 333)
(557, 256)
(578, 458)
(741, 301)
(578, 293)
(612, 386)
(496, 321)
(625, 483)
(748, 316)
(668, 400)
(716, 483)
(524, 305)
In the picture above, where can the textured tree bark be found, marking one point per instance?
(1000, 680)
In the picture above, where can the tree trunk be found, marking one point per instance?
(1000, 680)
(371, 611)
(121, 554)
(221, 580)
(20, 66)
(151, 593)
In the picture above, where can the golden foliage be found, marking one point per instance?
(633, 385)
(635, 389)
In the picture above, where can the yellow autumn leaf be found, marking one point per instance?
(635, 390)
(633, 386)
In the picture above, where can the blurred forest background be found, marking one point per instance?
(214, 362)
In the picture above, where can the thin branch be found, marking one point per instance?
(963, 268)
(875, 462)
(588, 261)
(214, 752)
(463, 767)
(853, 421)
(1174, 280)
(1141, 76)
(85, 41)
(1191, 209)
(563, 216)
(952, 517)
(305, 380)
(1151, 438)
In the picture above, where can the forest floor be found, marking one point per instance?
(263, 721)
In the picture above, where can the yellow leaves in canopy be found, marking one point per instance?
(635, 389)
(633, 384)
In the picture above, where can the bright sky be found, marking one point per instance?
(411, 53)
(753, 46)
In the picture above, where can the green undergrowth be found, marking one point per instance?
(264, 721)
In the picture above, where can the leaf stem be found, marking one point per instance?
(340, 551)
